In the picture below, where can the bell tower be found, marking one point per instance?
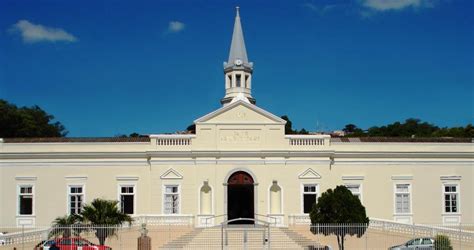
(238, 70)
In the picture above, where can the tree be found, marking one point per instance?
(102, 213)
(442, 242)
(65, 226)
(28, 122)
(353, 130)
(289, 127)
(341, 209)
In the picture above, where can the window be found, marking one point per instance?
(76, 199)
(238, 80)
(355, 189)
(127, 198)
(171, 199)
(451, 198)
(310, 195)
(25, 200)
(402, 198)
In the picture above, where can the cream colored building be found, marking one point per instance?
(239, 163)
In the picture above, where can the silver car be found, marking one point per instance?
(418, 243)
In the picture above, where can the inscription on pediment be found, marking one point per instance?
(240, 136)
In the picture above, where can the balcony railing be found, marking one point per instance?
(172, 140)
(308, 140)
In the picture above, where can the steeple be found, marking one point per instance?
(238, 70)
(237, 47)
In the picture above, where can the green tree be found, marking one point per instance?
(103, 214)
(27, 122)
(353, 130)
(288, 125)
(442, 242)
(65, 226)
(339, 212)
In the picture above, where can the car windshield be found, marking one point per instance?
(81, 242)
(48, 243)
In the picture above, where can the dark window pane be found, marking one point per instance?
(127, 203)
(26, 205)
(308, 201)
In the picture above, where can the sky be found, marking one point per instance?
(105, 68)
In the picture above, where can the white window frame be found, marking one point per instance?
(163, 209)
(119, 195)
(410, 194)
(347, 185)
(303, 185)
(18, 193)
(69, 194)
(458, 201)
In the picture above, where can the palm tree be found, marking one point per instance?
(64, 226)
(101, 214)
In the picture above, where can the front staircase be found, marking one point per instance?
(242, 237)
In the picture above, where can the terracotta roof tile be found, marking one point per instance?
(76, 139)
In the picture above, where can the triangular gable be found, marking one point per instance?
(309, 174)
(171, 174)
(266, 116)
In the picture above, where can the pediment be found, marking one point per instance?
(240, 112)
(309, 174)
(171, 174)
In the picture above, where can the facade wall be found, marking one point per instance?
(377, 181)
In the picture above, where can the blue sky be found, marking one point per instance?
(104, 68)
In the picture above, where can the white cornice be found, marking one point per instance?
(104, 163)
(25, 178)
(402, 177)
(76, 177)
(352, 177)
(127, 178)
(219, 111)
(403, 162)
(450, 177)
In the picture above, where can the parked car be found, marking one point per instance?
(73, 243)
(44, 245)
(418, 243)
(2, 241)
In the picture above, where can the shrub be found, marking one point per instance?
(442, 242)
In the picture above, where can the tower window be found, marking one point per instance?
(238, 79)
(246, 81)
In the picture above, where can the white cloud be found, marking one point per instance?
(321, 9)
(385, 5)
(33, 33)
(175, 26)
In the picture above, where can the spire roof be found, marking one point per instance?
(237, 47)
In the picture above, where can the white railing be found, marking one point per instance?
(164, 219)
(299, 219)
(455, 231)
(172, 140)
(308, 140)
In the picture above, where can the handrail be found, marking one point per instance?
(269, 217)
(266, 223)
(212, 217)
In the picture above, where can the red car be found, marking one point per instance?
(74, 243)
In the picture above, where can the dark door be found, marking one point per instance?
(240, 198)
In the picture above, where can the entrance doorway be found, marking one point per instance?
(240, 197)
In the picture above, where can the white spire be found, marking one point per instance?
(237, 47)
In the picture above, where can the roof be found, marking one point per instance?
(76, 139)
(237, 47)
(402, 139)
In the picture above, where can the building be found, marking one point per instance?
(238, 164)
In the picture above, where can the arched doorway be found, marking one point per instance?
(240, 197)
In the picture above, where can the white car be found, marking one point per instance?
(2, 240)
(418, 243)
